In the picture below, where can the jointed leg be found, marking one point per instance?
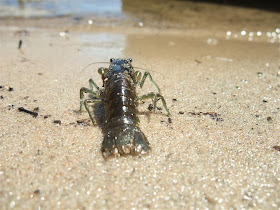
(155, 97)
(92, 83)
(141, 83)
(86, 90)
(86, 102)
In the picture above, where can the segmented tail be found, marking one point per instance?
(124, 140)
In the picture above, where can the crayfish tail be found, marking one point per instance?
(124, 140)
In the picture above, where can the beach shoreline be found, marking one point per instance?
(218, 151)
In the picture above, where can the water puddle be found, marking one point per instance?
(53, 8)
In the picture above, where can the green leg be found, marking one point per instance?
(141, 83)
(155, 97)
(92, 83)
(86, 90)
(86, 102)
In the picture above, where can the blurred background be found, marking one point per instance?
(182, 14)
(47, 8)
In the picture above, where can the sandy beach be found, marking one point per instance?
(220, 78)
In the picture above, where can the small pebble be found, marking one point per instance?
(277, 148)
(269, 119)
(36, 109)
(181, 112)
(37, 192)
(57, 122)
(6, 88)
(150, 107)
(83, 122)
(11, 106)
(19, 44)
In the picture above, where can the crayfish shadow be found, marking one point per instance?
(99, 115)
(147, 114)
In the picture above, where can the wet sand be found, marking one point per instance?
(222, 91)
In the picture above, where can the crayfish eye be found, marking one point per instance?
(112, 60)
(102, 71)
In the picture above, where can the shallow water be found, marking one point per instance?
(51, 8)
